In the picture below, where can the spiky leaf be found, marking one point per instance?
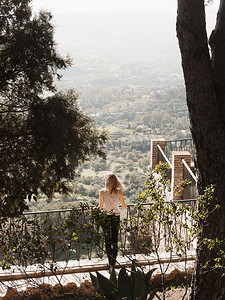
(149, 275)
(95, 283)
(140, 287)
(125, 284)
(113, 277)
(108, 288)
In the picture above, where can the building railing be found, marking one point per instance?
(179, 145)
(135, 237)
(190, 190)
(164, 159)
(178, 154)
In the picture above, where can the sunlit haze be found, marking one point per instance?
(58, 6)
(70, 6)
(141, 33)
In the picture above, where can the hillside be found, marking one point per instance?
(159, 110)
(132, 116)
(128, 76)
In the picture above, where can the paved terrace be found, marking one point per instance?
(78, 271)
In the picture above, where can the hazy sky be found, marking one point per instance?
(57, 6)
(69, 6)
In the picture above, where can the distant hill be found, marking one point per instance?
(119, 48)
(118, 35)
(161, 110)
(128, 73)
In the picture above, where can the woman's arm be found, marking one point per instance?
(122, 202)
(101, 199)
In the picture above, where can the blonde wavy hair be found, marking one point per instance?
(112, 183)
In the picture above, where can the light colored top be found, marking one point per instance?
(110, 202)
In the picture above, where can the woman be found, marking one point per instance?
(109, 199)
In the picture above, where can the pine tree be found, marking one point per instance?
(43, 133)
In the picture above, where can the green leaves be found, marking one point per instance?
(43, 139)
(125, 284)
(104, 286)
(130, 287)
(95, 283)
(22, 242)
(140, 288)
(25, 241)
(108, 288)
(113, 277)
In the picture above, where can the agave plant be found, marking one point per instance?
(131, 287)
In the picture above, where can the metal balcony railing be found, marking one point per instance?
(164, 159)
(179, 145)
(145, 237)
(139, 231)
(190, 191)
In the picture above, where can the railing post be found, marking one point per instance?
(178, 171)
(154, 160)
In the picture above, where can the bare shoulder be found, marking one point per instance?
(101, 192)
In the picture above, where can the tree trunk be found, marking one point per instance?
(205, 89)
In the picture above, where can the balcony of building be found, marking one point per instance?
(78, 248)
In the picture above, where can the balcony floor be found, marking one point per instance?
(78, 271)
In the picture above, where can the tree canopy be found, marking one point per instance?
(43, 133)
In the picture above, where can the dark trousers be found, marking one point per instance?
(111, 229)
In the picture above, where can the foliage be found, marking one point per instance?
(43, 136)
(212, 247)
(86, 224)
(159, 110)
(26, 240)
(29, 59)
(172, 227)
(155, 226)
(131, 287)
(22, 242)
(158, 224)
